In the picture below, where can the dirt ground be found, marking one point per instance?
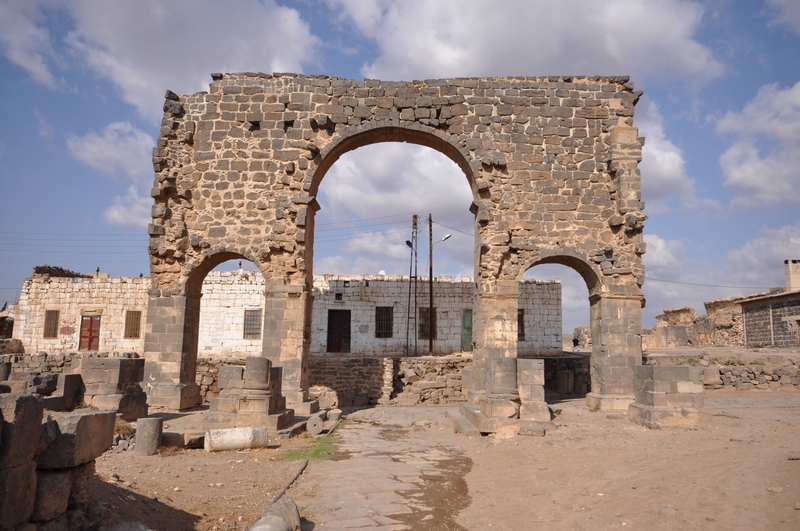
(593, 470)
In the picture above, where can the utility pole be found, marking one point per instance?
(412, 244)
(430, 283)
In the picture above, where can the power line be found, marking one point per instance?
(703, 285)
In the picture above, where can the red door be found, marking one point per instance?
(90, 332)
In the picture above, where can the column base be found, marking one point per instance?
(609, 402)
(174, 396)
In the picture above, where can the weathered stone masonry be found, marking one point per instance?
(551, 161)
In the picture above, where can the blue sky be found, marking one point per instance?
(83, 84)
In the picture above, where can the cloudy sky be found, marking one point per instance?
(84, 81)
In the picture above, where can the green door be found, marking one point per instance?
(466, 330)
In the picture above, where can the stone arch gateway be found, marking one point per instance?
(551, 161)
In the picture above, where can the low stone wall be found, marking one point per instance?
(58, 363)
(361, 381)
(46, 485)
(342, 382)
(430, 380)
(746, 377)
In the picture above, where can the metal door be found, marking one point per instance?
(338, 331)
(90, 332)
(466, 330)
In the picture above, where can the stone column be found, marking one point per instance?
(495, 353)
(616, 349)
(170, 351)
(285, 342)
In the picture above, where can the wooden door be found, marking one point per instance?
(466, 330)
(338, 331)
(90, 332)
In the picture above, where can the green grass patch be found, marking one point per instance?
(325, 448)
(689, 361)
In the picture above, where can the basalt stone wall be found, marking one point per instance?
(774, 322)
(551, 162)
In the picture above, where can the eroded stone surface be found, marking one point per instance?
(551, 161)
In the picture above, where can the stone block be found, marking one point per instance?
(531, 392)
(52, 494)
(132, 406)
(17, 494)
(230, 373)
(711, 376)
(81, 478)
(503, 375)
(689, 387)
(82, 436)
(536, 410)
(499, 408)
(21, 428)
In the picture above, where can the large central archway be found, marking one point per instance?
(551, 162)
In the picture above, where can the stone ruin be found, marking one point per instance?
(47, 465)
(551, 163)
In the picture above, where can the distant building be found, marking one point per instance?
(769, 319)
(376, 315)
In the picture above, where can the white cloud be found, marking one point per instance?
(130, 209)
(393, 179)
(759, 262)
(761, 164)
(45, 129)
(25, 43)
(787, 13)
(663, 166)
(664, 258)
(120, 148)
(144, 48)
(419, 39)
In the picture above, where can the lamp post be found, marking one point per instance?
(430, 283)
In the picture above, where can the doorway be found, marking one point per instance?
(90, 332)
(338, 331)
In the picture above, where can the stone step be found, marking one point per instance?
(462, 425)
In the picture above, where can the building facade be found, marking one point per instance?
(352, 315)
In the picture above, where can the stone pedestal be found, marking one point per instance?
(113, 383)
(667, 396)
(251, 396)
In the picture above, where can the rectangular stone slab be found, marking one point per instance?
(83, 436)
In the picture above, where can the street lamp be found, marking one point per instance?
(430, 281)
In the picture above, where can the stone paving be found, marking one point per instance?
(391, 455)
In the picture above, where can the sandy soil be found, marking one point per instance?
(595, 470)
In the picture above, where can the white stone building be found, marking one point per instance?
(353, 315)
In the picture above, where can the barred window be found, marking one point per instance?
(252, 324)
(51, 323)
(425, 323)
(384, 321)
(520, 325)
(133, 324)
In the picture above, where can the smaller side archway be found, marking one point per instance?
(616, 328)
(172, 335)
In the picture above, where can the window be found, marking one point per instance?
(384, 321)
(133, 324)
(252, 324)
(425, 324)
(520, 325)
(51, 323)
(337, 296)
